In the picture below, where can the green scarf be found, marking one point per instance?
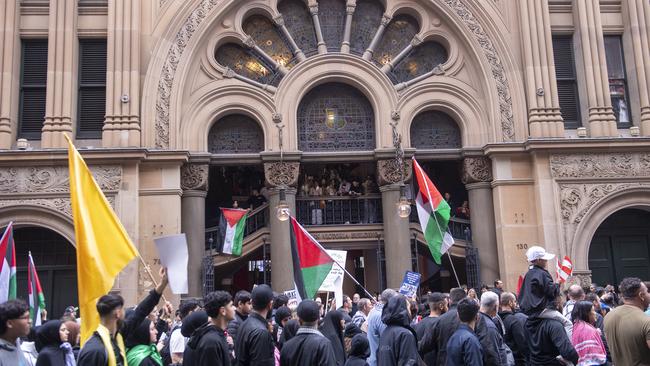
(138, 353)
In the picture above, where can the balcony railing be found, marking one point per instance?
(459, 228)
(257, 219)
(336, 210)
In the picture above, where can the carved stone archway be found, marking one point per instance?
(23, 215)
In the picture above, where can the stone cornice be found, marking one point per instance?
(95, 155)
(613, 144)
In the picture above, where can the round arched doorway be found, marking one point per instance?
(621, 247)
(56, 263)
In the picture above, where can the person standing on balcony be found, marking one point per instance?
(256, 200)
(344, 188)
(463, 211)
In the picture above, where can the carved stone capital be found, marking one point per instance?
(581, 278)
(249, 42)
(279, 21)
(194, 177)
(395, 115)
(416, 41)
(313, 9)
(477, 169)
(385, 19)
(228, 73)
(276, 118)
(281, 174)
(389, 171)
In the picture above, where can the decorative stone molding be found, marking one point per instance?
(53, 179)
(416, 41)
(279, 21)
(389, 171)
(276, 117)
(477, 169)
(610, 165)
(498, 71)
(249, 42)
(194, 177)
(385, 19)
(395, 115)
(581, 278)
(61, 205)
(281, 174)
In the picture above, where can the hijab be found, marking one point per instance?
(48, 335)
(52, 350)
(333, 331)
(290, 330)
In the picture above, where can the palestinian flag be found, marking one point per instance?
(311, 263)
(36, 298)
(233, 223)
(7, 265)
(433, 212)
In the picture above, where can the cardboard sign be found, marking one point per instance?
(410, 283)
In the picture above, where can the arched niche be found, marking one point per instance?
(235, 134)
(432, 129)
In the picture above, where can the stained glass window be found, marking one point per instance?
(269, 39)
(398, 34)
(365, 21)
(298, 21)
(331, 14)
(335, 117)
(420, 60)
(435, 130)
(245, 63)
(235, 134)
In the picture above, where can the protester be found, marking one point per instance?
(28, 346)
(348, 333)
(254, 344)
(211, 345)
(586, 338)
(308, 346)
(52, 345)
(376, 326)
(359, 351)
(243, 308)
(191, 324)
(471, 293)
(515, 333)
(346, 309)
(437, 337)
(538, 288)
(627, 327)
(398, 343)
(491, 332)
(463, 347)
(176, 340)
(106, 345)
(363, 309)
(332, 328)
(548, 338)
(290, 330)
(355, 304)
(600, 322)
(498, 287)
(141, 345)
(575, 294)
(281, 317)
(437, 307)
(14, 323)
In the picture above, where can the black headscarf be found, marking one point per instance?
(193, 322)
(396, 312)
(351, 330)
(48, 335)
(332, 330)
(360, 347)
(139, 335)
(289, 331)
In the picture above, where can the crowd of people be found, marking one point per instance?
(541, 326)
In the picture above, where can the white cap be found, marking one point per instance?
(536, 252)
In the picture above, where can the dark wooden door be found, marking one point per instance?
(621, 248)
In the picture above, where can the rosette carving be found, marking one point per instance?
(281, 174)
(389, 171)
(194, 177)
(477, 169)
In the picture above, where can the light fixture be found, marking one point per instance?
(404, 205)
(282, 209)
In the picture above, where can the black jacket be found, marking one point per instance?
(254, 345)
(93, 352)
(421, 329)
(307, 347)
(209, 348)
(435, 339)
(48, 341)
(331, 329)
(398, 345)
(233, 325)
(515, 336)
(359, 351)
(547, 339)
(537, 291)
(491, 339)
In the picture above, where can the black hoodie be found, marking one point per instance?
(191, 324)
(49, 340)
(398, 345)
(359, 352)
(210, 347)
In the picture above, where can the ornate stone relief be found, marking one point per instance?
(389, 171)
(61, 205)
(477, 169)
(53, 179)
(498, 71)
(610, 165)
(281, 174)
(194, 177)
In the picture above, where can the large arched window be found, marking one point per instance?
(399, 33)
(246, 63)
(419, 61)
(235, 134)
(299, 23)
(365, 21)
(435, 130)
(269, 39)
(335, 117)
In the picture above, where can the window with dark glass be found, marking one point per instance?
(299, 22)
(567, 84)
(92, 88)
(419, 61)
(618, 81)
(33, 81)
(267, 36)
(235, 134)
(365, 21)
(435, 130)
(398, 34)
(246, 63)
(331, 14)
(335, 117)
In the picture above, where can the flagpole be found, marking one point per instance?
(353, 279)
(453, 268)
(148, 270)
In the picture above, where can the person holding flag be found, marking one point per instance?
(538, 289)
(7, 265)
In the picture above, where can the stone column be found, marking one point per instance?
(638, 25)
(194, 182)
(62, 51)
(477, 175)
(367, 55)
(281, 175)
(279, 21)
(397, 239)
(122, 123)
(602, 122)
(9, 43)
(349, 12)
(313, 10)
(544, 116)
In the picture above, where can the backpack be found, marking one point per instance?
(164, 352)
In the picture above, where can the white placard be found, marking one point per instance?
(334, 280)
(172, 250)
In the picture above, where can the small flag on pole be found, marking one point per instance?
(564, 269)
(232, 224)
(520, 282)
(311, 263)
(7, 265)
(36, 298)
(434, 213)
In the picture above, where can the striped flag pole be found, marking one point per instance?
(35, 292)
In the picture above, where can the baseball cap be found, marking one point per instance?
(536, 252)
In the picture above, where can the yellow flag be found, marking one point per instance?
(103, 246)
